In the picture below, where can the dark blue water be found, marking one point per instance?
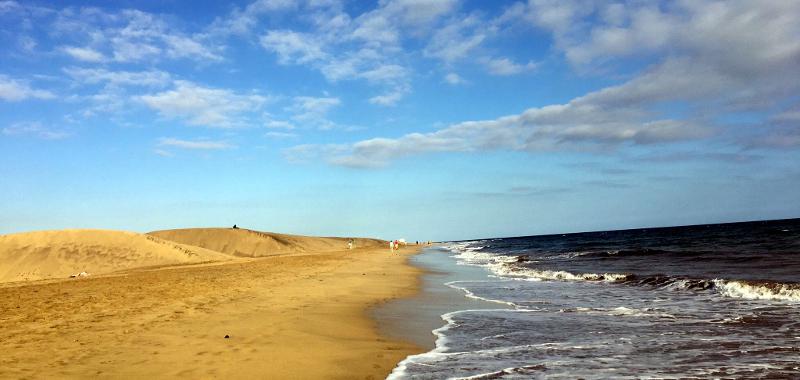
(712, 301)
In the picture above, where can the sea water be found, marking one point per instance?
(710, 301)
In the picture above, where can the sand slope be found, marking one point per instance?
(248, 243)
(58, 254)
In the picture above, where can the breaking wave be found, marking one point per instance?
(519, 267)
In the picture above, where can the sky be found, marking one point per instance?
(420, 119)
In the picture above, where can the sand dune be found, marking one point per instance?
(248, 243)
(58, 254)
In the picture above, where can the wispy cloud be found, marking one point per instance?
(84, 54)
(128, 36)
(390, 98)
(205, 106)
(293, 47)
(194, 144)
(367, 47)
(454, 79)
(457, 39)
(715, 65)
(587, 123)
(35, 129)
(313, 110)
(126, 78)
(280, 135)
(13, 90)
(514, 192)
(241, 21)
(505, 66)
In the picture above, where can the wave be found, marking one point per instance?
(515, 267)
(630, 253)
(469, 294)
(774, 291)
(648, 253)
(753, 290)
(528, 370)
(621, 311)
(442, 344)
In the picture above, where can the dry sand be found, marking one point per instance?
(302, 314)
(248, 243)
(58, 254)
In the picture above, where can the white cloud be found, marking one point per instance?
(194, 144)
(596, 122)
(301, 48)
(419, 13)
(163, 153)
(185, 47)
(242, 21)
(279, 124)
(309, 108)
(293, 47)
(505, 66)
(13, 90)
(205, 106)
(128, 36)
(128, 51)
(714, 58)
(34, 129)
(125, 78)
(8, 6)
(457, 39)
(385, 73)
(84, 54)
(280, 135)
(390, 98)
(454, 79)
(366, 47)
(375, 29)
(387, 23)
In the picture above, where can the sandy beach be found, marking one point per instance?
(301, 312)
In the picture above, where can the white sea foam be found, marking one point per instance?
(526, 370)
(468, 253)
(469, 294)
(541, 274)
(440, 351)
(621, 311)
(773, 292)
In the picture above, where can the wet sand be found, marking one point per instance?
(303, 315)
(415, 317)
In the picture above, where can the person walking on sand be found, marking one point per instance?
(391, 247)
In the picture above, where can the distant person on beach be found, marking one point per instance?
(391, 246)
(235, 228)
(350, 244)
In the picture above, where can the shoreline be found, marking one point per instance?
(415, 317)
(297, 316)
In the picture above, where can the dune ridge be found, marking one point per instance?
(242, 242)
(59, 254)
(43, 255)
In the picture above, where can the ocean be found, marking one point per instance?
(706, 301)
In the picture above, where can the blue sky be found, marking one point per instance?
(420, 119)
